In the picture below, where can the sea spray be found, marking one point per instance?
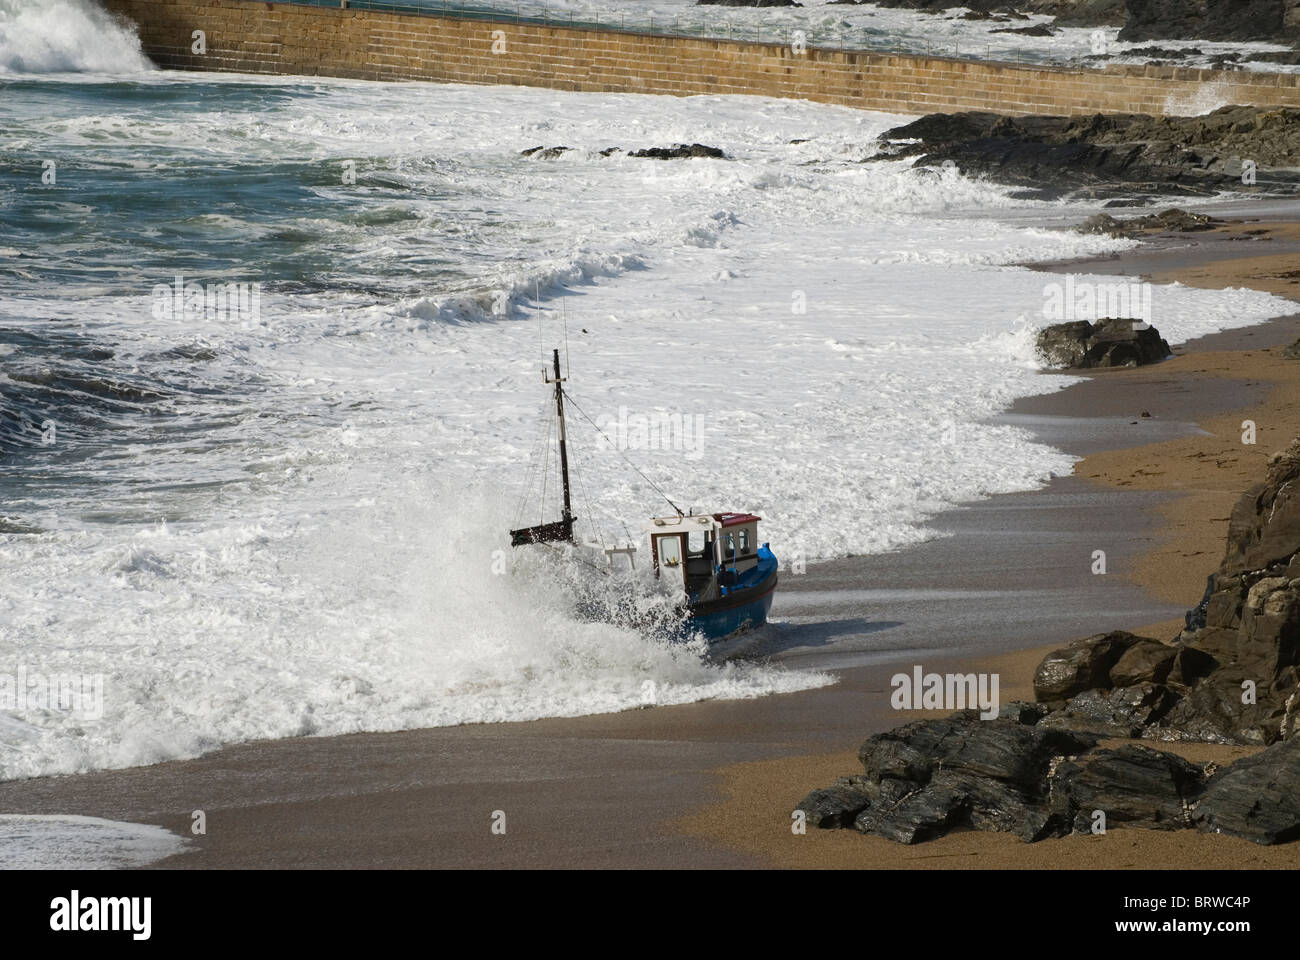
(66, 36)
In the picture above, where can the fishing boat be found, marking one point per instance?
(712, 564)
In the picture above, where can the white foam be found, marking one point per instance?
(889, 29)
(336, 561)
(66, 36)
(30, 842)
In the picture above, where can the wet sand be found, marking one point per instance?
(1218, 382)
(713, 784)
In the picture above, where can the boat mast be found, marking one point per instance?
(567, 516)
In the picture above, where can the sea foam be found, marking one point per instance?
(298, 525)
(66, 36)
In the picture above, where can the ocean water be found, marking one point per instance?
(869, 26)
(82, 843)
(290, 518)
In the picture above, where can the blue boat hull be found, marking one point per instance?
(742, 610)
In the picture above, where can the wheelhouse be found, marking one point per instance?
(704, 556)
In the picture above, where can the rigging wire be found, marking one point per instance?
(546, 472)
(656, 486)
(535, 454)
(591, 513)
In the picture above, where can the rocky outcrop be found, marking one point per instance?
(1232, 676)
(1133, 786)
(1122, 157)
(1276, 20)
(544, 153)
(1249, 617)
(1068, 13)
(677, 152)
(1014, 775)
(1106, 343)
(1037, 30)
(1255, 798)
(681, 150)
(925, 778)
(1172, 220)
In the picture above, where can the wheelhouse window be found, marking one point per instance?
(670, 551)
(745, 545)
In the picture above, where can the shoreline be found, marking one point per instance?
(711, 784)
(1225, 377)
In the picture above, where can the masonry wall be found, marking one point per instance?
(258, 37)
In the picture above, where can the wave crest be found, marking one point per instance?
(66, 36)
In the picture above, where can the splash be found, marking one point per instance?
(66, 36)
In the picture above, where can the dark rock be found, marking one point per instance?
(1175, 221)
(1112, 342)
(953, 799)
(1264, 530)
(1233, 676)
(1107, 156)
(1037, 30)
(929, 777)
(1106, 225)
(679, 151)
(1022, 712)
(1165, 52)
(544, 153)
(1065, 345)
(1288, 57)
(1068, 13)
(1243, 639)
(926, 778)
(1123, 712)
(837, 805)
(933, 775)
(1190, 666)
(1292, 352)
(1006, 751)
(1148, 661)
(1195, 618)
(1223, 20)
(1257, 798)
(1211, 711)
(1083, 665)
(1134, 786)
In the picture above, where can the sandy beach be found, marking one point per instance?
(1219, 382)
(713, 784)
